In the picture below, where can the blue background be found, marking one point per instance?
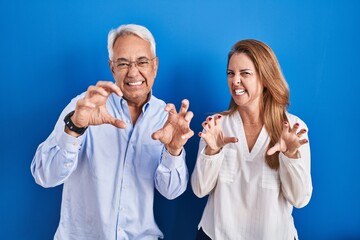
(53, 50)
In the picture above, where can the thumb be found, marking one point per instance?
(157, 135)
(230, 140)
(118, 123)
(274, 149)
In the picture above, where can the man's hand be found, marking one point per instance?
(91, 110)
(176, 130)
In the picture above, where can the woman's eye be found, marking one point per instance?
(230, 74)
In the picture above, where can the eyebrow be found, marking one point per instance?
(242, 70)
(139, 58)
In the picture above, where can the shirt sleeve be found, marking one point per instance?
(295, 176)
(172, 175)
(56, 158)
(206, 171)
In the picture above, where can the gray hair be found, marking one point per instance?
(130, 29)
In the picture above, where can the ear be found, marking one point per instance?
(111, 67)
(155, 66)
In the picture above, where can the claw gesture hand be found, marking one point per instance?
(290, 141)
(91, 110)
(176, 130)
(213, 135)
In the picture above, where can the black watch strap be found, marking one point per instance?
(71, 125)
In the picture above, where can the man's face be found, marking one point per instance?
(134, 68)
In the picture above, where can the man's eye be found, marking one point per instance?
(142, 63)
(122, 64)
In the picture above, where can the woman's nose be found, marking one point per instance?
(237, 80)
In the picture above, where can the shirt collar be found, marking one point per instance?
(121, 101)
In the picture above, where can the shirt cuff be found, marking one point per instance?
(172, 162)
(290, 161)
(69, 143)
(210, 158)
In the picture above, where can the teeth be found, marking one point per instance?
(135, 83)
(239, 91)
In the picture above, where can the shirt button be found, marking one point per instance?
(67, 165)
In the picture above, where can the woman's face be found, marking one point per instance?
(244, 84)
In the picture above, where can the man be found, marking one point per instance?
(113, 144)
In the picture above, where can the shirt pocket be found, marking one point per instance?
(270, 178)
(229, 166)
(147, 164)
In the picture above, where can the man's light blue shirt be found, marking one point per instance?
(109, 174)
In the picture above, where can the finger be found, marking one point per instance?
(217, 120)
(170, 108)
(188, 135)
(203, 136)
(303, 141)
(184, 106)
(95, 90)
(205, 125)
(188, 116)
(230, 140)
(295, 128)
(210, 122)
(157, 135)
(274, 149)
(118, 123)
(110, 87)
(285, 127)
(84, 103)
(301, 132)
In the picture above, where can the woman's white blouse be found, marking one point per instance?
(247, 199)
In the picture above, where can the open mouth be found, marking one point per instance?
(137, 83)
(239, 92)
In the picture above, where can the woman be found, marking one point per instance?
(254, 158)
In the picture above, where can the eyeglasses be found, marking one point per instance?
(140, 64)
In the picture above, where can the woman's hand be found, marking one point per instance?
(290, 141)
(213, 135)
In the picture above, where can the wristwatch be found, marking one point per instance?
(71, 125)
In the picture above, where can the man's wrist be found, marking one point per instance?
(70, 126)
(174, 152)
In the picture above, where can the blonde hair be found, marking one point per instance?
(275, 96)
